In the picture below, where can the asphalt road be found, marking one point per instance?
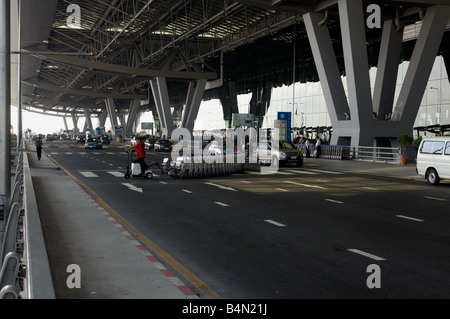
(301, 233)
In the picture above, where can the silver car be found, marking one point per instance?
(286, 153)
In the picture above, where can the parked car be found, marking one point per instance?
(433, 159)
(150, 144)
(105, 140)
(93, 143)
(163, 145)
(287, 153)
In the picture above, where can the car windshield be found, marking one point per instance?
(92, 140)
(286, 145)
(164, 142)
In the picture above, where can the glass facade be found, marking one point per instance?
(310, 110)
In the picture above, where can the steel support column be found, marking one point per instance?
(353, 31)
(88, 123)
(132, 115)
(387, 70)
(5, 109)
(327, 67)
(422, 60)
(193, 101)
(161, 96)
(111, 108)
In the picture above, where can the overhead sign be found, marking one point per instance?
(242, 119)
(147, 126)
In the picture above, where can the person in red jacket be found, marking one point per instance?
(139, 147)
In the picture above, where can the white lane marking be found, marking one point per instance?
(69, 153)
(274, 223)
(164, 183)
(116, 174)
(301, 172)
(411, 218)
(222, 187)
(327, 172)
(333, 201)
(305, 185)
(370, 188)
(187, 191)
(82, 153)
(435, 198)
(88, 174)
(284, 173)
(282, 189)
(132, 187)
(54, 153)
(363, 253)
(221, 204)
(246, 182)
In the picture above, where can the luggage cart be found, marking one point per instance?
(134, 169)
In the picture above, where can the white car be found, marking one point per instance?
(433, 159)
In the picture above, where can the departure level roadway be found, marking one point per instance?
(303, 233)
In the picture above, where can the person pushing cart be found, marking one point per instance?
(139, 147)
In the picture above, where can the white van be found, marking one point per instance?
(433, 159)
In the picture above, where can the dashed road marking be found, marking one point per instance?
(333, 201)
(305, 185)
(88, 174)
(221, 204)
(410, 218)
(274, 223)
(435, 198)
(363, 253)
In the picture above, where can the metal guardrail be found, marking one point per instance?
(376, 154)
(364, 153)
(24, 272)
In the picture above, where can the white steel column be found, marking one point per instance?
(327, 67)
(111, 108)
(387, 70)
(88, 123)
(161, 97)
(422, 60)
(353, 31)
(193, 101)
(75, 122)
(134, 108)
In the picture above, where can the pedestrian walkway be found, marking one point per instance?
(79, 231)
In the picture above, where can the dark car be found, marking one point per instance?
(93, 143)
(105, 140)
(287, 153)
(150, 143)
(163, 145)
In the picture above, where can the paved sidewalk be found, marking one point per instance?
(79, 231)
(366, 167)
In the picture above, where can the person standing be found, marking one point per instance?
(318, 147)
(307, 146)
(39, 144)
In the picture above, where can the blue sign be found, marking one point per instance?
(287, 116)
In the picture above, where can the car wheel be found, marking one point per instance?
(433, 177)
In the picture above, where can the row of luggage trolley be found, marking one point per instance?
(198, 166)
